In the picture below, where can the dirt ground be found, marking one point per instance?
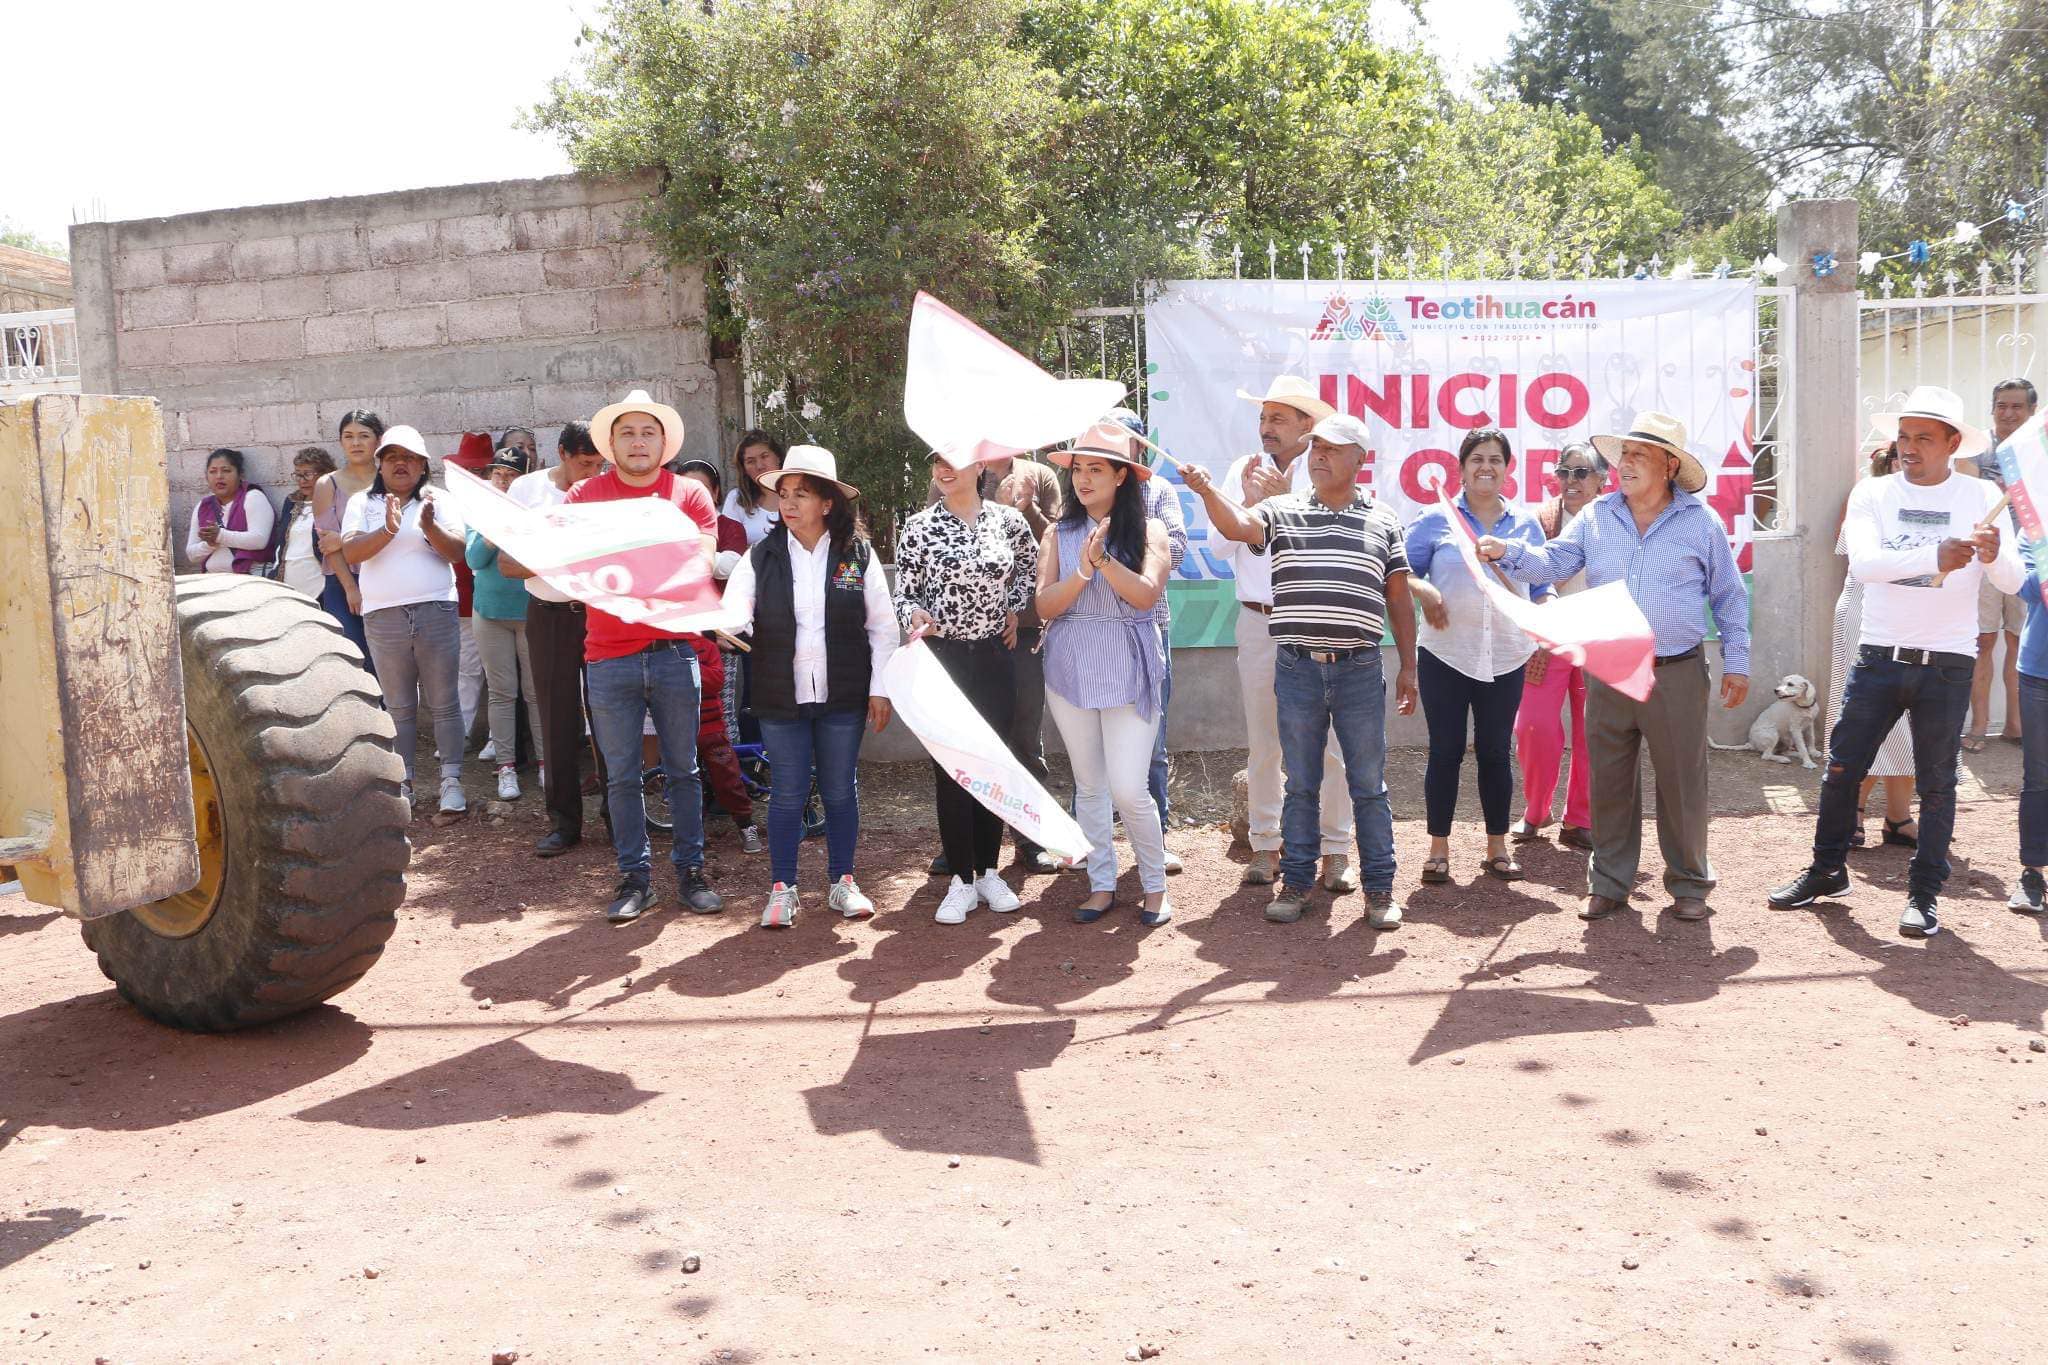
(1499, 1134)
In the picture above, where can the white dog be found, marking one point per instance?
(1786, 723)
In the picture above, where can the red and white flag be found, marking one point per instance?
(640, 559)
(1601, 630)
(972, 398)
(925, 698)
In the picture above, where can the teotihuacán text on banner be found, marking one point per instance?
(1549, 362)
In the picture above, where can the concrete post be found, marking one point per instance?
(92, 299)
(1793, 629)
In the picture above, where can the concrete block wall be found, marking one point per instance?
(476, 307)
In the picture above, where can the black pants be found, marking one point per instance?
(554, 638)
(1027, 723)
(970, 833)
(1448, 697)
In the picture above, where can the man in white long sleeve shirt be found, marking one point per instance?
(1286, 413)
(1920, 541)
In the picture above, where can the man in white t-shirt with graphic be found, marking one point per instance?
(1920, 541)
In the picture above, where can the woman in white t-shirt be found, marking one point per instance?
(293, 541)
(750, 503)
(403, 544)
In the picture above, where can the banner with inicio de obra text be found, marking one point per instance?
(1549, 362)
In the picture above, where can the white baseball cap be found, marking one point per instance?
(1342, 429)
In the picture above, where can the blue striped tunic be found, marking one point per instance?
(1101, 652)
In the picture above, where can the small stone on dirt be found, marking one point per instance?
(2037, 1045)
(1149, 1350)
(691, 1265)
(419, 1161)
(142, 1265)
(952, 1163)
(1630, 1262)
(504, 1358)
(369, 1273)
(483, 1004)
(1131, 1353)
(1763, 1132)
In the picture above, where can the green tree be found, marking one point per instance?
(1662, 78)
(828, 160)
(12, 234)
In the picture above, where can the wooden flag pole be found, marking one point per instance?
(1984, 525)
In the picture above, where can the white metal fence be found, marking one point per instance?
(38, 353)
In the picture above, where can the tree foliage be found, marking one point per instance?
(1925, 111)
(824, 160)
(12, 234)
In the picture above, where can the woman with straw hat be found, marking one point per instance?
(824, 626)
(1101, 570)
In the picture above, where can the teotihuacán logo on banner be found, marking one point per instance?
(1372, 320)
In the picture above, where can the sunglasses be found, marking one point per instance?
(1575, 472)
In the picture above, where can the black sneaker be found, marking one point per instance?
(1920, 919)
(940, 867)
(2028, 897)
(633, 899)
(697, 894)
(1808, 887)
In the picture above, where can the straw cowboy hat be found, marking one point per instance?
(1940, 405)
(638, 401)
(1295, 392)
(1342, 429)
(815, 461)
(1107, 440)
(1667, 433)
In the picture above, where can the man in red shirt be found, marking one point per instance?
(634, 671)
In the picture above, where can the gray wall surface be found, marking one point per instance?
(467, 308)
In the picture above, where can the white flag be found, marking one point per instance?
(969, 397)
(963, 744)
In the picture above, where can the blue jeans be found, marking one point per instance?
(1311, 698)
(2034, 771)
(1157, 781)
(418, 651)
(825, 743)
(660, 681)
(1935, 699)
(335, 600)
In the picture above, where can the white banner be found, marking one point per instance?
(1549, 362)
(926, 699)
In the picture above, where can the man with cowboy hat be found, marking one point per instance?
(1671, 551)
(633, 671)
(1339, 577)
(1287, 412)
(1919, 540)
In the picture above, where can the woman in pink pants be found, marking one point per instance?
(1547, 682)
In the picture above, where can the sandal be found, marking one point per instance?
(1523, 832)
(1973, 744)
(1436, 869)
(1502, 866)
(1856, 839)
(1895, 832)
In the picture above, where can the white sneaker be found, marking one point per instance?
(780, 912)
(405, 792)
(960, 898)
(489, 753)
(997, 893)
(1174, 867)
(508, 783)
(847, 899)
(453, 802)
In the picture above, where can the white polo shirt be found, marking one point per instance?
(1254, 571)
(538, 490)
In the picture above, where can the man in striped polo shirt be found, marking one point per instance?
(1340, 575)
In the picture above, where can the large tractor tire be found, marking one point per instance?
(301, 826)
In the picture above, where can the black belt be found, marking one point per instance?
(1262, 608)
(558, 606)
(1924, 658)
(1331, 656)
(1679, 658)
